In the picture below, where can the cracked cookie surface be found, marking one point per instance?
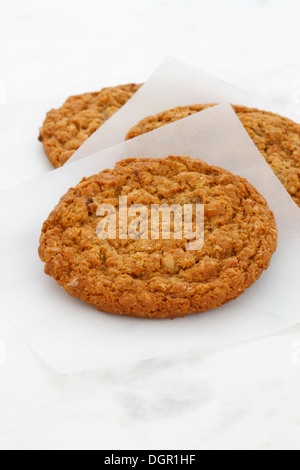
(160, 278)
(65, 129)
(276, 137)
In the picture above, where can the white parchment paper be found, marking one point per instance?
(173, 84)
(71, 336)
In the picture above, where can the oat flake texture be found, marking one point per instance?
(276, 137)
(67, 128)
(160, 278)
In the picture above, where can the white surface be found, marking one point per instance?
(203, 401)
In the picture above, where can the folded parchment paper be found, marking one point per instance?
(71, 336)
(173, 84)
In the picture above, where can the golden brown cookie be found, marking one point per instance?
(65, 129)
(156, 278)
(276, 137)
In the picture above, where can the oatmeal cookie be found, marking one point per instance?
(276, 137)
(65, 129)
(157, 278)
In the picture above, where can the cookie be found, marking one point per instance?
(65, 129)
(159, 278)
(276, 137)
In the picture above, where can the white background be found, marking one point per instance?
(244, 396)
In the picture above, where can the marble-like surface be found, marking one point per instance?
(244, 396)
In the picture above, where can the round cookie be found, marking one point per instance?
(160, 278)
(276, 137)
(65, 129)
